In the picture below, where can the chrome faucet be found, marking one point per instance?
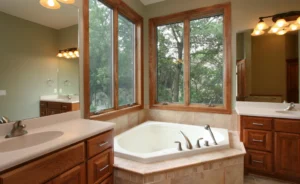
(207, 127)
(4, 120)
(290, 107)
(188, 142)
(17, 130)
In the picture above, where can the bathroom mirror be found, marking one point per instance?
(34, 81)
(267, 67)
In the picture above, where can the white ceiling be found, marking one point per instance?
(147, 2)
(31, 10)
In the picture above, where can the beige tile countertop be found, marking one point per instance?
(74, 130)
(263, 109)
(236, 149)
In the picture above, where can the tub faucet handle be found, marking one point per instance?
(198, 142)
(188, 142)
(179, 145)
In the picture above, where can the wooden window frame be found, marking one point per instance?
(118, 7)
(186, 17)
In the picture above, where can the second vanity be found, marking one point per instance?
(75, 151)
(272, 139)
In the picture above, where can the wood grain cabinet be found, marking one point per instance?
(69, 165)
(52, 108)
(273, 147)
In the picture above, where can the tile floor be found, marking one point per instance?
(253, 179)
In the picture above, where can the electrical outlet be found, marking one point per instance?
(2, 92)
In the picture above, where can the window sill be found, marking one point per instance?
(193, 108)
(116, 113)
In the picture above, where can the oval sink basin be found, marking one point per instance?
(28, 140)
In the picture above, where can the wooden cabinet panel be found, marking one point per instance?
(42, 170)
(258, 139)
(287, 154)
(100, 143)
(77, 175)
(286, 125)
(54, 105)
(257, 123)
(53, 111)
(108, 180)
(100, 167)
(43, 104)
(66, 106)
(258, 160)
(43, 112)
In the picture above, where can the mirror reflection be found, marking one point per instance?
(34, 81)
(267, 67)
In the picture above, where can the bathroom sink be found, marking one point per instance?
(26, 141)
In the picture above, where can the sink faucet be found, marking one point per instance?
(17, 130)
(188, 142)
(290, 107)
(207, 127)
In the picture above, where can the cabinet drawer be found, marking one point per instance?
(258, 139)
(259, 160)
(77, 175)
(43, 104)
(46, 168)
(284, 125)
(100, 143)
(43, 112)
(257, 123)
(100, 167)
(53, 111)
(66, 106)
(108, 180)
(54, 105)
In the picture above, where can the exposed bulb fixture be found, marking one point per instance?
(282, 32)
(261, 25)
(67, 1)
(298, 20)
(68, 53)
(274, 29)
(281, 23)
(294, 27)
(257, 32)
(50, 4)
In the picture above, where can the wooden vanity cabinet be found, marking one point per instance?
(52, 108)
(273, 146)
(71, 165)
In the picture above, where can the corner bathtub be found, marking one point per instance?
(154, 141)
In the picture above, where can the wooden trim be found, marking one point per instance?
(118, 7)
(116, 58)
(86, 60)
(114, 114)
(186, 17)
(187, 61)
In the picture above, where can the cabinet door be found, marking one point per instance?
(287, 154)
(76, 175)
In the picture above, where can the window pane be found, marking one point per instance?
(170, 63)
(101, 57)
(207, 60)
(126, 62)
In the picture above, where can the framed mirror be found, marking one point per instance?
(267, 67)
(34, 81)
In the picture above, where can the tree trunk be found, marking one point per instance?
(177, 72)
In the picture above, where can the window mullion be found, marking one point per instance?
(115, 58)
(186, 61)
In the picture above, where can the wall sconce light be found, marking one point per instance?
(68, 53)
(283, 23)
(53, 4)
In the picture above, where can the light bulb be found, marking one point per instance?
(59, 55)
(67, 1)
(281, 23)
(261, 25)
(68, 57)
(281, 32)
(274, 29)
(73, 56)
(65, 54)
(257, 32)
(293, 27)
(70, 53)
(298, 20)
(50, 4)
(76, 52)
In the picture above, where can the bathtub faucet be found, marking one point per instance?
(188, 142)
(207, 127)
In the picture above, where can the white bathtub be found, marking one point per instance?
(154, 141)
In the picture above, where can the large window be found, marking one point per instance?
(190, 60)
(112, 59)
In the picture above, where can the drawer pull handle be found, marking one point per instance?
(258, 161)
(258, 124)
(255, 140)
(100, 170)
(103, 144)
